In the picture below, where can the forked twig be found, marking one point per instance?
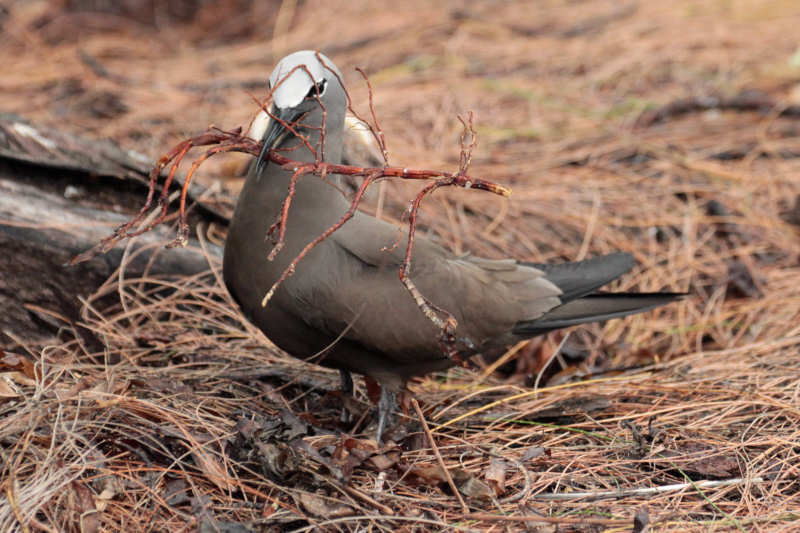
(324, 235)
(449, 324)
(377, 132)
(280, 223)
(439, 459)
(226, 139)
(221, 141)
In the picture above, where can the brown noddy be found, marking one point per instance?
(344, 306)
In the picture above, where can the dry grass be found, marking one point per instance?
(695, 405)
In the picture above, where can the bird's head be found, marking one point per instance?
(306, 90)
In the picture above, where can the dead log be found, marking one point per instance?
(60, 195)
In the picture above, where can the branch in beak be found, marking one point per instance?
(276, 132)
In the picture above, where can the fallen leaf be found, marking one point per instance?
(532, 453)
(351, 443)
(710, 462)
(6, 390)
(475, 489)
(383, 462)
(321, 507)
(641, 520)
(496, 475)
(83, 501)
(246, 427)
(430, 472)
(276, 460)
(466, 483)
(106, 495)
(12, 361)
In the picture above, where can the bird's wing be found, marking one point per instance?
(579, 278)
(487, 297)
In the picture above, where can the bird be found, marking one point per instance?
(359, 147)
(344, 306)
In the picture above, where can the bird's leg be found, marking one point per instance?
(347, 389)
(386, 406)
(347, 381)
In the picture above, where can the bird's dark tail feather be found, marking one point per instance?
(596, 307)
(580, 278)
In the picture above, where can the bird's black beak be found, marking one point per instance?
(276, 132)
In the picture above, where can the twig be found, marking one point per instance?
(175, 155)
(449, 324)
(385, 509)
(183, 228)
(12, 487)
(646, 491)
(347, 216)
(550, 360)
(281, 222)
(377, 132)
(438, 455)
(546, 519)
(373, 518)
(233, 141)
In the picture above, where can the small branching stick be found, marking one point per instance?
(448, 325)
(287, 203)
(226, 139)
(368, 179)
(377, 132)
(221, 141)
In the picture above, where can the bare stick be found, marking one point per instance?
(378, 135)
(284, 216)
(464, 508)
(176, 154)
(324, 235)
(449, 324)
(183, 227)
(377, 132)
(467, 149)
(233, 141)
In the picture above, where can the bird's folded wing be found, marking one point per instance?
(371, 305)
(579, 278)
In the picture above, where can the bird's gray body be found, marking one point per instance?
(345, 304)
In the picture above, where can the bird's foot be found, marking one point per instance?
(347, 390)
(386, 406)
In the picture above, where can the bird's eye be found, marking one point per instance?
(321, 86)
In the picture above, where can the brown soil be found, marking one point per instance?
(670, 130)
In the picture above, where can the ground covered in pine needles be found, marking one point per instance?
(667, 130)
